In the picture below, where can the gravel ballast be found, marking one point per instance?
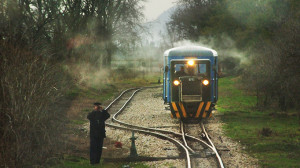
(147, 109)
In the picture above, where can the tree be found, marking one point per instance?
(109, 23)
(267, 31)
(36, 38)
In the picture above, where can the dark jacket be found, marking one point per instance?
(97, 123)
(180, 73)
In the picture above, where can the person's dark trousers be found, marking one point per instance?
(96, 144)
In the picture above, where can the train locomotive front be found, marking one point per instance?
(190, 83)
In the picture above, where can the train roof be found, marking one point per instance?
(190, 51)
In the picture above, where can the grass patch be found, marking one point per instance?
(147, 80)
(105, 91)
(273, 139)
(78, 122)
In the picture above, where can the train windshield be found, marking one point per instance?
(200, 68)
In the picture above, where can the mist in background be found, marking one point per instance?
(46, 49)
(48, 46)
(255, 40)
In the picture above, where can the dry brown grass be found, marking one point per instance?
(29, 128)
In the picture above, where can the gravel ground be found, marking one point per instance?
(147, 109)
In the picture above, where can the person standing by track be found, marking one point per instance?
(97, 132)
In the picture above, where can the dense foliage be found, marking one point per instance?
(37, 37)
(30, 128)
(72, 28)
(265, 31)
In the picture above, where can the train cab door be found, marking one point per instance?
(215, 71)
(165, 95)
(166, 86)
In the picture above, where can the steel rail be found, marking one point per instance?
(183, 137)
(160, 130)
(125, 104)
(145, 131)
(214, 148)
(153, 131)
(116, 99)
(211, 145)
(176, 142)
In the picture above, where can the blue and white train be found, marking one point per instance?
(190, 83)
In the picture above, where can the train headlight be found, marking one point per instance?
(191, 62)
(176, 82)
(205, 82)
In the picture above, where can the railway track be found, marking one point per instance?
(207, 144)
(179, 139)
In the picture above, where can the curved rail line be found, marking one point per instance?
(141, 130)
(213, 146)
(209, 143)
(184, 139)
(159, 132)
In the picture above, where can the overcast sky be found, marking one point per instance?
(153, 8)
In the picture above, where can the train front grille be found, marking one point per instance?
(190, 90)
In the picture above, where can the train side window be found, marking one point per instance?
(177, 67)
(181, 69)
(201, 68)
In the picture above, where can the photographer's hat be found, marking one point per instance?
(97, 104)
